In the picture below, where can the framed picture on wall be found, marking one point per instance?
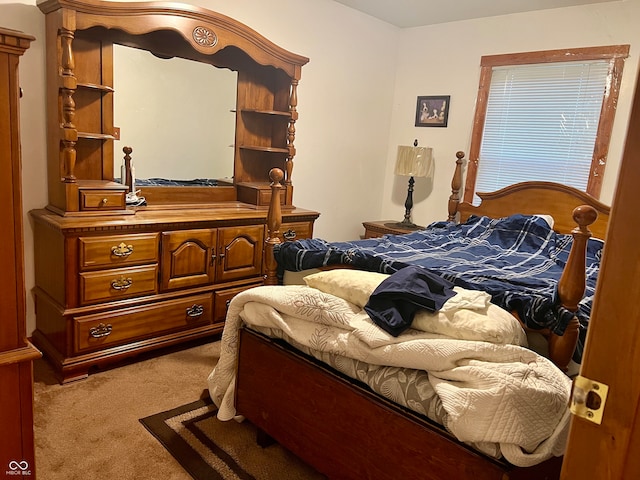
(432, 111)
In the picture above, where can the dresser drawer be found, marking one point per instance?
(94, 332)
(295, 231)
(117, 283)
(102, 200)
(223, 298)
(118, 250)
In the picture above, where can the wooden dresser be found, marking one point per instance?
(111, 288)
(115, 280)
(16, 353)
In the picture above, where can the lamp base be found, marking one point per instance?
(406, 224)
(403, 225)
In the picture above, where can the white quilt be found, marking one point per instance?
(502, 394)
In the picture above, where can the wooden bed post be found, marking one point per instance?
(572, 285)
(456, 185)
(274, 220)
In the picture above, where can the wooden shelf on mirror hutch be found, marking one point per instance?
(114, 280)
(285, 115)
(264, 149)
(95, 136)
(92, 86)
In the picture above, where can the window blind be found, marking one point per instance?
(541, 124)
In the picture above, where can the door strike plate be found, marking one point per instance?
(588, 399)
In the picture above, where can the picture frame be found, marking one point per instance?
(432, 111)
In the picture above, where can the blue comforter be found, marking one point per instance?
(517, 259)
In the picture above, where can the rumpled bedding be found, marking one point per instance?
(518, 260)
(504, 400)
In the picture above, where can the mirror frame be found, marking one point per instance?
(205, 36)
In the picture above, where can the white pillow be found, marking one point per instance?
(469, 315)
(355, 286)
(547, 218)
(488, 324)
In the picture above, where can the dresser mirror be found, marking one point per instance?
(164, 99)
(199, 111)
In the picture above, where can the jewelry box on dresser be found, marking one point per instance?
(114, 280)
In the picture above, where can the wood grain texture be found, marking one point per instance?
(173, 255)
(80, 92)
(532, 198)
(347, 432)
(612, 356)
(16, 353)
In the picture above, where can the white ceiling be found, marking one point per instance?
(414, 13)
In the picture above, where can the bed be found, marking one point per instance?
(326, 410)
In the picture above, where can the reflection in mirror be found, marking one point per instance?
(176, 114)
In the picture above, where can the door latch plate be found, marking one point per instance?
(588, 399)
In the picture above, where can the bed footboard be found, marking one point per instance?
(345, 431)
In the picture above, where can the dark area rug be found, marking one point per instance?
(210, 449)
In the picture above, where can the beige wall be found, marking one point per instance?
(444, 60)
(357, 98)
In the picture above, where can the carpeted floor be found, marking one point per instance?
(90, 429)
(210, 449)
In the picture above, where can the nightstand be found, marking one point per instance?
(383, 227)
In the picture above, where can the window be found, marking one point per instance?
(542, 117)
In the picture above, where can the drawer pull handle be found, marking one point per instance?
(195, 311)
(122, 250)
(289, 234)
(121, 283)
(101, 330)
(104, 201)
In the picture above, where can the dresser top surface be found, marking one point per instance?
(228, 213)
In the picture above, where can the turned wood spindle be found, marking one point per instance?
(572, 285)
(274, 220)
(68, 106)
(291, 131)
(127, 168)
(456, 185)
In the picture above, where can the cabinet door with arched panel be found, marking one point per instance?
(239, 252)
(188, 257)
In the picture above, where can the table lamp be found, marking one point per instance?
(412, 161)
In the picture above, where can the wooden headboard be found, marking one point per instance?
(530, 198)
(574, 212)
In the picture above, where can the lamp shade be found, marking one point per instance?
(414, 161)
